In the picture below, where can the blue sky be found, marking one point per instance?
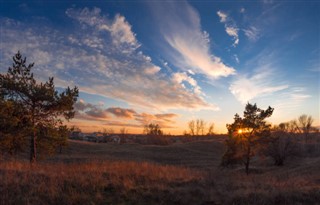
(169, 62)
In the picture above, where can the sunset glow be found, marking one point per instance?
(169, 62)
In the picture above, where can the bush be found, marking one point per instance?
(280, 147)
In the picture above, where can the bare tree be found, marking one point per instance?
(210, 129)
(200, 125)
(305, 125)
(123, 131)
(191, 125)
(107, 131)
(197, 127)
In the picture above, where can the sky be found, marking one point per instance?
(169, 62)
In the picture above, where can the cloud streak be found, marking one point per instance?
(246, 88)
(252, 33)
(188, 45)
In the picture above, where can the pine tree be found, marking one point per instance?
(247, 135)
(43, 107)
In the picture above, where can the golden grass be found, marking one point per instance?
(272, 187)
(90, 173)
(90, 183)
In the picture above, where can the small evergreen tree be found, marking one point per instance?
(42, 106)
(247, 135)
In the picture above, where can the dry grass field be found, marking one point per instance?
(180, 173)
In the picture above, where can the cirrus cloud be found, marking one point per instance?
(188, 45)
(101, 56)
(247, 88)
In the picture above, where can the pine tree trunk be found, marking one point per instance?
(247, 166)
(33, 148)
(247, 163)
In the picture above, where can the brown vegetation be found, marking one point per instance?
(180, 173)
(93, 183)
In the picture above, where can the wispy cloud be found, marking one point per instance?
(252, 33)
(101, 56)
(188, 45)
(289, 101)
(246, 88)
(230, 26)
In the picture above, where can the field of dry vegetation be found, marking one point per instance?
(179, 173)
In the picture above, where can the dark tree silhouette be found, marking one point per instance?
(152, 129)
(42, 105)
(247, 135)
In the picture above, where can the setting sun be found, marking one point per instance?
(240, 131)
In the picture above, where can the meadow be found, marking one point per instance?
(178, 173)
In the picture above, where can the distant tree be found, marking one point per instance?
(289, 127)
(152, 129)
(107, 131)
(42, 106)
(210, 129)
(123, 131)
(304, 125)
(197, 127)
(75, 129)
(247, 135)
(191, 125)
(200, 126)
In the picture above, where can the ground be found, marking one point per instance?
(179, 173)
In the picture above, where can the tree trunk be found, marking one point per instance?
(33, 148)
(247, 165)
